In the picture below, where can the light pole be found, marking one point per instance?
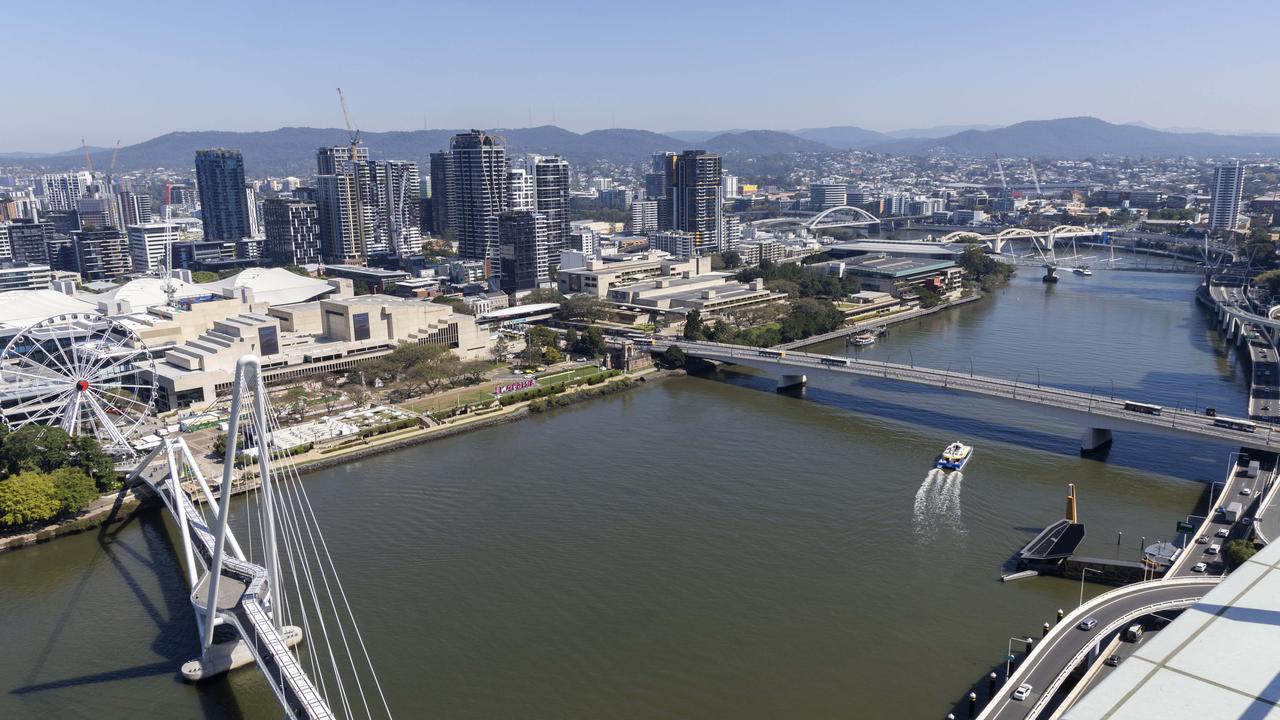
(1082, 572)
(1008, 654)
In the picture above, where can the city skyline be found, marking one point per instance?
(784, 85)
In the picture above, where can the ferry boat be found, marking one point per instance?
(955, 457)
(862, 339)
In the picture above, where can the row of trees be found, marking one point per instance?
(46, 474)
(984, 270)
(415, 368)
(797, 282)
(806, 318)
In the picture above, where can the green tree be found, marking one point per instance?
(473, 371)
(584, 308)
(73, 489)
(220, 445)
(673, 357)
(204, 276)
(1271, 279)
(809, 317)
(928, 298)
(27, 497)
(693, 326)
(1237, 552)
(731, 259)
(552, 355)
(589, 343)
(297, 270)
(501, 348)
(543, 295)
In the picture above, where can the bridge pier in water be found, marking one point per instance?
(1095, 441)
(792, 383)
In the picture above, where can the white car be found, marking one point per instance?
(1213, 549)
(1022, 692)
(1246, 491)
(1203, 540)
(1199, 567)
(1223, 532)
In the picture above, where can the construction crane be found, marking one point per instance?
(88, 164)
(1035, 177)
(358, 210)
(112, 170)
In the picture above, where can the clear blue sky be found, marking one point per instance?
(135, 69)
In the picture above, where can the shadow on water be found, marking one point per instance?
(174, 620)
(927, 414)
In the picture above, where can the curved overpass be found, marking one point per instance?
(1056, 655)
(794, 367)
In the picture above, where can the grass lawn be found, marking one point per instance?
(560, 376)
(470, 396)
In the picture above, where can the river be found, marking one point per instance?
(700, 548)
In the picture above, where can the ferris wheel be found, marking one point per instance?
(86, 373)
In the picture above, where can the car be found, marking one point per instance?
(1246, 521)
(1214, 549)
(1114, 660)
(1088, 624)
(1222, 532)
(1246, 491)
(1022, 692)
(1203, 539)
(518, 371)
(1199, 567)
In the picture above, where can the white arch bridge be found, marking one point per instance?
(836, 217)
(1042, 239)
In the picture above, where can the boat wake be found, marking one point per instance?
(937, 505)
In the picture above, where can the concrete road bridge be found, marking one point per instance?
(1054, 657)
(792, 368)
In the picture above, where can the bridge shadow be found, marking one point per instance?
(174, 618)
(1144, 451)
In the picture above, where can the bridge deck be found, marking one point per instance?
(1101, 406)
(247, 582)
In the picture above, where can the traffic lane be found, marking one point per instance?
(1051, 661)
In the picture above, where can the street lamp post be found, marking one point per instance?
(1008, 654)
(1082, 572)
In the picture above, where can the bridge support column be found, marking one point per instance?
(792, 382)
(1095, 441)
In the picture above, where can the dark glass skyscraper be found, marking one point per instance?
(477, 195)
(224, 206)
(696, 200)
(551, 198)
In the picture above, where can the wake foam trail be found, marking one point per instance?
(924, 514)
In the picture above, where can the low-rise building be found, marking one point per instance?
(307, 339)
(897, 275)
(597, 276)
(23, 276)
(708, 293)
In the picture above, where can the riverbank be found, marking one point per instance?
(879, 321)
(127, 502)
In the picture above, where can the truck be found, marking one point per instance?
(1133, 632)
(1253, 468)
(1232, 512)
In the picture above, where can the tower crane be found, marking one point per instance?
(88, 164)
(1035, 177)
(356, 208)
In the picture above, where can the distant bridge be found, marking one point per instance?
(836, 217)
(1043, 239)
(792, 368)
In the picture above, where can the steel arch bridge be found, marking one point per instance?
(1043, 239)
(836, 217)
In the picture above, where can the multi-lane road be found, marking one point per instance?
(1058, 653)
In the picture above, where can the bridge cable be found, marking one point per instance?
(329, 567)
(278, 594)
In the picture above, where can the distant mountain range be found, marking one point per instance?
(291, 151)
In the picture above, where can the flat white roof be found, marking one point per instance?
(1219, 659)
(20, 308)
(519, 310)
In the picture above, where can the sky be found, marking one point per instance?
(135, 69)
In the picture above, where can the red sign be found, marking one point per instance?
(513, 387)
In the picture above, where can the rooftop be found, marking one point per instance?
(1220, 658)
